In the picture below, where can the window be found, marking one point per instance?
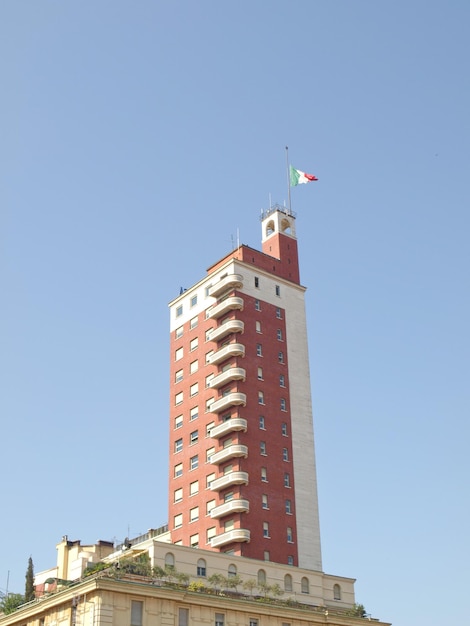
(283, 404)
(193, 301)
(253, 621)
(232, 571)
(193, 413)
(261, 577)
(266, 529)
(260, 397)
(178, 495)
(336, 592)
(178, 445)
(169, 559)
(256, 281)
(211, 532)
(193, 344)
(193, 367)
(286, 480)
(194, 390)
(194, 488)
(208, 334)
(285, 454)
(178, 520)
(209, 454)
(183, 617)
(280, 357)
(304, 585)
(179, 398)
(178, 470)
(137, 611)
(209, 506)
(208, 380)
(284, 429)
(228, 497)
(179, 332)
(264, 475)
(288, 505)
(259, 349)
(194, 541)
(282, 380)
(279, 334)
(194, 514)
(229, 525)
(261, 422)
(206, 290)
(257, 305)
(178, 376)
(290, 536)
(219, 619)
(193, 437)
(208, 356)
(178, 354)
(278, 313)
(260, 373)
(179, 310)
(209, 480)
(287, 582)
(277, 290)
(193, 323)
(258, 327)
(264, 501)
(228, 469)
(178, 421)
(290, 560)
(194, 462)
(209, 404)
(262, 448)
(209, 427)
(267, 556)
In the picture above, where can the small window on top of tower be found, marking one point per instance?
(256, 281)
(278, 290)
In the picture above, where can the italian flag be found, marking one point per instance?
(298, 178)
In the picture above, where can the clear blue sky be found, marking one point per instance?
(137, 136)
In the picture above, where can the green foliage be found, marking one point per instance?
(216, 581)
(29, 584)
(196, 585)
(11, 602)
(275, 590)
(139, 565)
(250, 584)
(232, 582)
(95, 567)
(358, 610)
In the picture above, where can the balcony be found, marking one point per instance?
(231, 349)
(233, 536)
(230, 452)
(231, 399)
(234, 373)
(231, 326)
(229, 304)
(234, 478)
(233, 281)
(229, 426)
(234, 506)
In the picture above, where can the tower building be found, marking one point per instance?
(242, 460)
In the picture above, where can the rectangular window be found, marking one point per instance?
(178, 354)
(179, 310)
(209, 480)
(264, 501)
(285, 454)
(260, 397)
(256, 281)
(257, 305)
(193, 413)
(253, 621)
(194, 390)
(264, 475)
(209, 427)
(193, 367)
(178, 520)
(208, 356)
(178, 421)
(290, 536)
(209, 506)
(229, 525)
(267, 556)
(211, 532)
(178, 376)
(194, 541)
(194, 462)
(208, 334)
(208, 380)
(278, 290)
(260, 373)
(278, 313)
(178, 495)
(279, 334)
(228, 469)
(286, 480)
(137, 612)
(284, 429)
(259, 349)
(258, 327)
(194, 488)
(290, 561)
(194, 514)
(262, 448)
(209, 403)
(283, 404)
(209, 454)
(228, 497)
(266, 529)
(280, 357)
(193, 437)
(183, 617)
(193, 322)
(193, 300)
(178, 470)
(219, 619)
(282, 380)
(261, 422)
(179, 332)
(193, 344)
(179, 398)
(288, 507)
(178, 445)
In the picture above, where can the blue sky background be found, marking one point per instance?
(136, 138)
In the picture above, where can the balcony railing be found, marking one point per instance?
(231, 349)
(229, 304)
(234, 478)
(231, 399)
(231, 326)
(229, 426)
(234, 506)
(232, 281)
(230, 452)
(232, 536)
(234, 373)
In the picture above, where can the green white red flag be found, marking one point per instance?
(297, 177)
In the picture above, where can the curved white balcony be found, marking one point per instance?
(229, 304)
(235, 535)
(234, 506)
(231, 349)
(231, 326)
(234, 478)
(231, 399)
(230, 452)
(232, 281)
(229, 426)
(234, 373)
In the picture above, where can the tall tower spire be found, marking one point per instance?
(242, 463)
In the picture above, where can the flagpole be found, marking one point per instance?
(288, 180)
